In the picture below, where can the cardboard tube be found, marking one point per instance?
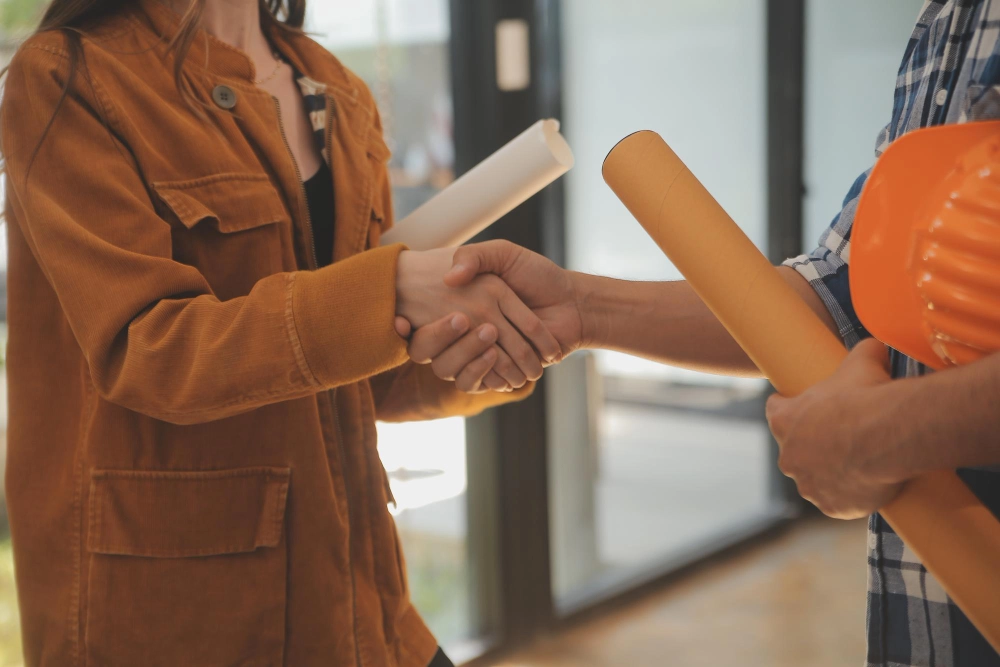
(952, 533)
(491, 190)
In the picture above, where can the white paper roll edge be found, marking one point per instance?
(489, 191)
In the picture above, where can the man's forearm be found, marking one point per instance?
(667, 322)
(943, 421)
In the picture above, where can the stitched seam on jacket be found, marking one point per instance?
(192, 475)
(128, 550)
(76, 540)
(293, 335)
(50, 49)
(242, 400)
(279, 514)
(208, 180)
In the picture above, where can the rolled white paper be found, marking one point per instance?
(491, 190)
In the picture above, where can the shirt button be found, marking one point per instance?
(941, 97)
(224, 97)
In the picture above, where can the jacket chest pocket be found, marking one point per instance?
(187, 568)
(233, 228)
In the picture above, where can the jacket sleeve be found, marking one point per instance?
(155, 337)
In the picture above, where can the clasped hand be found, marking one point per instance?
(489, 316)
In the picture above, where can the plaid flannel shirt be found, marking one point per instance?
(950, 74)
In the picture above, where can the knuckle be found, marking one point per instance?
(504, 366)
(785, 465)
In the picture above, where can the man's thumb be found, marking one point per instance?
(473, 260)
(870, 351)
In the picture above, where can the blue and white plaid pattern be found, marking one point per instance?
(950, 74)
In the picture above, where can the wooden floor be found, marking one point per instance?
(797, 600)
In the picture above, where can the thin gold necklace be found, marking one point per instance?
(277, 66)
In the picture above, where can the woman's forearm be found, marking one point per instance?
(667, 322)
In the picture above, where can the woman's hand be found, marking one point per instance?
(550, 291)
(422, 299)
(448, 345)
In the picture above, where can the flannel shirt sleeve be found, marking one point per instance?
(827, 268)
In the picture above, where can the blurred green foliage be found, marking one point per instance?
(20, 16)
(10, 632)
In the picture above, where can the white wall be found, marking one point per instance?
(692, 71)
(853, 52)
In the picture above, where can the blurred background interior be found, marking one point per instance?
(628, 513)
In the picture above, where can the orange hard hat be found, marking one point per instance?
(925, 246)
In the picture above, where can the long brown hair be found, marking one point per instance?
(72, 17)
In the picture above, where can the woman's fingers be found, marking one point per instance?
(493, 381)
(470, 379)
(505, 366)
(430, 341)
(531, 328)
(403, 327)
(449, 364)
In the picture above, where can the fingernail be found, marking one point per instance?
(486, 334)
(458, 323)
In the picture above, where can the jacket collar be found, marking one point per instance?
(215, 56)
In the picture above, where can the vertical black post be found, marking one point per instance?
(485, 119)
(785, 121)
(786, 27)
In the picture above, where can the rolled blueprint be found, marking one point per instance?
(491, 190)
(952, 533)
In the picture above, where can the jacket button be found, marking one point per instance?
(224, 97)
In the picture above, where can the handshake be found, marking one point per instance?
(490, 316)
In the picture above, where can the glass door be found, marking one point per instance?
(651, 466)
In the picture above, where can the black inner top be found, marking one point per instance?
(319, 193)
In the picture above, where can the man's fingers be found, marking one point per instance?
(531, 327)
(471, 260)
(430, 341)
(470, 379)
(774, 411)
(519, 352)
(449, 364)
(873, 350)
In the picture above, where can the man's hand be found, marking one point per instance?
(422, 298)
(822, 434)
(543, 286)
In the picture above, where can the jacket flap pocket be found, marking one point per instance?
(162, 514)
(235, 202)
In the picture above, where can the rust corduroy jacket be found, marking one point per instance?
(192, 473)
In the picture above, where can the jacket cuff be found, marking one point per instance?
(344, 317)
